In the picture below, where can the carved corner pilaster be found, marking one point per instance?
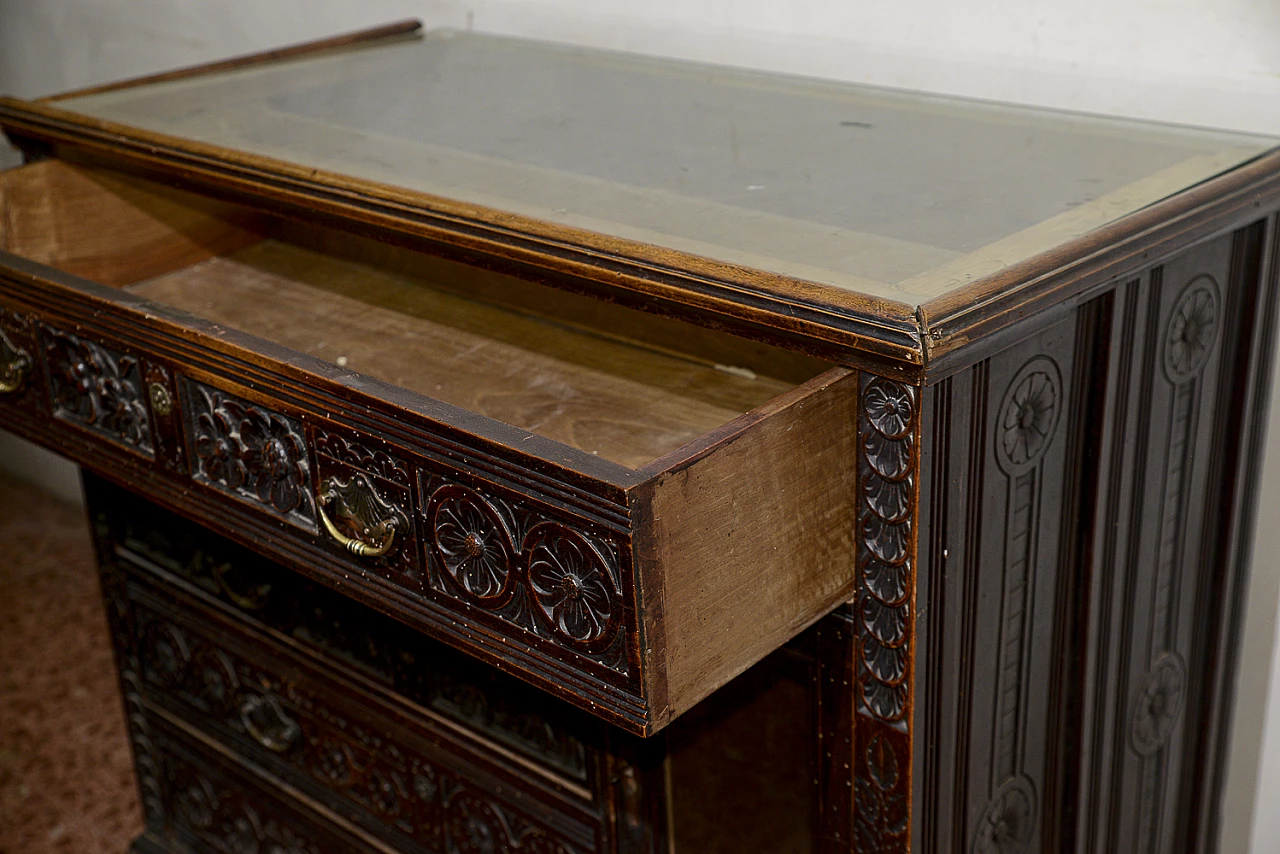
(884, 613)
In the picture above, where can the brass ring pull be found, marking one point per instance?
(365, 504)
(267, 723)
(14, 364)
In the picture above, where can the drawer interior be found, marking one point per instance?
(620, 384)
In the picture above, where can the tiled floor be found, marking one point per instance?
(66, 781)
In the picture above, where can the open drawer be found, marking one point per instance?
(619, 508)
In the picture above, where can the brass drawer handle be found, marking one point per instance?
(267, 723)
(14, 364)
(362, 504)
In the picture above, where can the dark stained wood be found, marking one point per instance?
(359, 38)
(225, 422)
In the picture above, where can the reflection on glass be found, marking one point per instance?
(893, 194)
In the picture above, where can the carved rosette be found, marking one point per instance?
(1008, 825)
(1028, 415)
(887, 464)
(1192, 329)
(250, 452)
(473, 544)
(570, 582)
(1159, 704)
(97, 388)
(561, 582)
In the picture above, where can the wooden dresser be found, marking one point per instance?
(494, 446)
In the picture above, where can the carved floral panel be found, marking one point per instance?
(98, 388)
(249, 451)
(500, 555)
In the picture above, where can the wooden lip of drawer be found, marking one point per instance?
(338, 742)
(632, 592)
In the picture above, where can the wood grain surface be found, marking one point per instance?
(754, 540)
(625, 403)
(104, 227)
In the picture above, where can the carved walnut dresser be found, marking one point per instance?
(499, 446)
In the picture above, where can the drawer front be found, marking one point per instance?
(389, 769)
(207, 801)
(478, 558)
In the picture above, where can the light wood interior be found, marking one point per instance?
(614, 382)
(755, 541)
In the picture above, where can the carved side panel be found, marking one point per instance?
(1003, 478)
(1179, 342)
(115, 596)
(97, 388)
(513, 562)
(250, 452)
(888, 432)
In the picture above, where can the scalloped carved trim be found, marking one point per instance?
(359, 455)
(883, 615)
(885, 560)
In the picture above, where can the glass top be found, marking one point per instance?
(892, 194)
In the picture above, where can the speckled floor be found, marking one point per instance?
(66, 779)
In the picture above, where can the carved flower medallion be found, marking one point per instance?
(1008, 824)
(1159, 704)
(890, 408)
(571, 585)
(217, 450)
(472, 544)
(1028, 415)
(98, 388)
(1193, 327)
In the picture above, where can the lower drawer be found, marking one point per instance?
(205, 800)
(399, 739)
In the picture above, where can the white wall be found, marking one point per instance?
(1210, 62)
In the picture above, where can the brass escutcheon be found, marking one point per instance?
(161, 402)
(14, 364)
